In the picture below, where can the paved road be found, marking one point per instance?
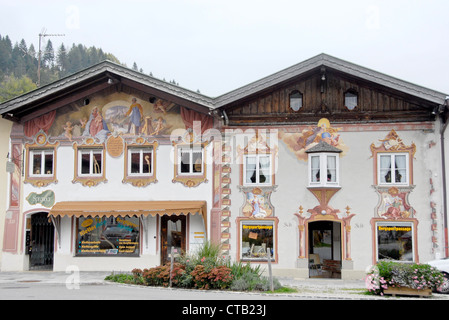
(92, 286)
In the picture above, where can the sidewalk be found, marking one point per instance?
(310, 288)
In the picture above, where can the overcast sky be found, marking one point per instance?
(220, 45)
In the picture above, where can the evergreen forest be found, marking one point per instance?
(19, 64)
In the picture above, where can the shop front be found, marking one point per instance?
(117, 235)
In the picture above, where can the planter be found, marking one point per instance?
(405, 291)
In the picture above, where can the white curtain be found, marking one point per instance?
(401, 168)
(315, 168)
(331, 168)
(385, 169)
(250, 170)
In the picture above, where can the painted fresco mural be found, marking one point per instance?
(257, 203)
(118, 113)
(300, 142)
(394, 204)
(393, 201)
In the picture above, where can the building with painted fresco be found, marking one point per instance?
(325, 167)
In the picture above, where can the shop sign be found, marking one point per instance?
(46, 198)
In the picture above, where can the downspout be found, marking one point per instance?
(443, 159)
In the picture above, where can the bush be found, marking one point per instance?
(395, 274)
(205, 269)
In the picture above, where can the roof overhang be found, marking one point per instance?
(332, 63)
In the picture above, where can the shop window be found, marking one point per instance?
(190, 164)
(107, 236)
(393, 168)
(323, 169)
(257, 236)
(395, 241)
(295, 100)
(257, 169)
(351, 100)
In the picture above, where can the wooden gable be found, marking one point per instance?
(323, 95)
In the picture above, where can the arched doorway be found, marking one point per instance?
(40, 242)
(324, 249)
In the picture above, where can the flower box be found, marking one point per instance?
(405, 291)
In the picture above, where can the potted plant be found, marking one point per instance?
(399, 278)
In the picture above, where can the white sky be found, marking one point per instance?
(220, 45)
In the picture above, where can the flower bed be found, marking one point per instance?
(386, 276)
(205, 269)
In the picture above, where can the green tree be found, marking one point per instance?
(12, 87)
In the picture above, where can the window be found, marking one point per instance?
(351, 100)
(257, 169)
(323, 169)
(41, 161)
(190, 164)
(395, 241)
(40, 169)
(295, 100)
(107, 236)
(140, 161)
(393, 168)
(256, 237)
(90, 162)
(190, 160)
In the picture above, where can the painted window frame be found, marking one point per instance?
(40, 145)
(85, 179)
(140, 179)
(323, 167)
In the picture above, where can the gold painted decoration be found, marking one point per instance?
(393, 143)
(300, 142)
(149, 158)
(41, 177)
(115, 146)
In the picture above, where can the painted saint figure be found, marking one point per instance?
(96, 126)
(136, 112)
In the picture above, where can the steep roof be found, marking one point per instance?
(91, 80)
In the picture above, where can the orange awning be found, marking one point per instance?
(128, 208)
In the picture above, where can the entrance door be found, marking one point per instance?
(41, 242)
(324, 249)
(173, 234)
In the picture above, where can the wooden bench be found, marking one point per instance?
(333, 266)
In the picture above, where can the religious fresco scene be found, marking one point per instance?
(257, 204)
(300, 142)
(117, 113)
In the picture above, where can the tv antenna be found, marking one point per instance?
(41, 35)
